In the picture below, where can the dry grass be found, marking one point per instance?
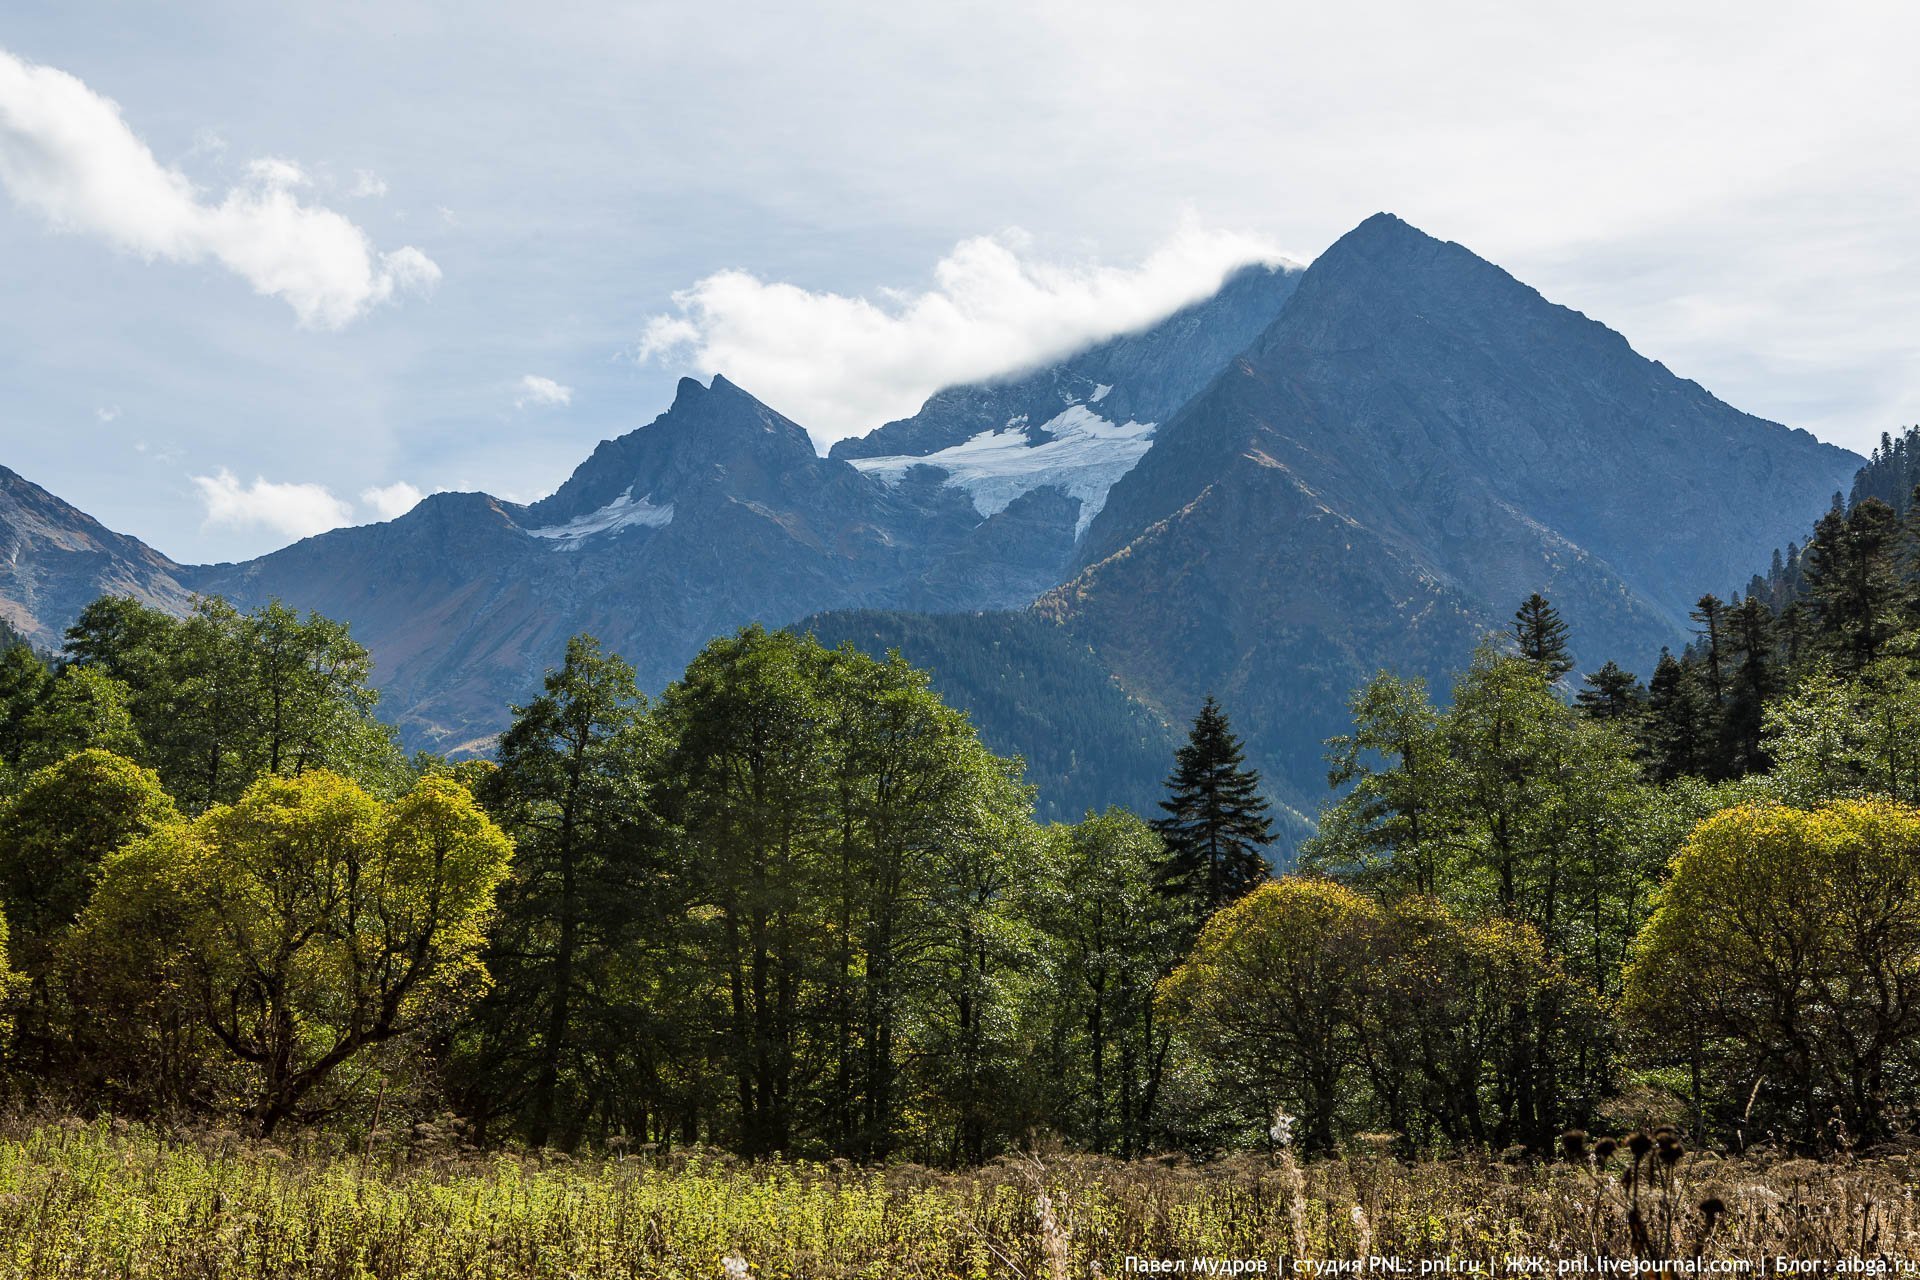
(113, 1202)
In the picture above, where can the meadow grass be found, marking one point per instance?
(114, 1201)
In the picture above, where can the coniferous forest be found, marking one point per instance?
(792, 910)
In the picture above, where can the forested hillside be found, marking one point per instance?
(1030, 691)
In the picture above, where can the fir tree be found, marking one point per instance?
(1680, 721)
(1216, 819)
(1542, 636)
(1612, 693)
(1853, 581)
(1750, 636)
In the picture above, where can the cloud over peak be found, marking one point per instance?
(67, 154)
(294, 510)
(843, 365)
(536, 390)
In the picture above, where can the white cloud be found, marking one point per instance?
(107, 412)
(66, 154)
(841, 365)
(366, 183)
(391, 500)
(296, 510)
(536, 390)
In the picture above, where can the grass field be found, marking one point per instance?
(114, 1201)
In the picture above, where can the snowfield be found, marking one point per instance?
(624, 512)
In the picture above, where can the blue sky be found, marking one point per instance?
(274, 267)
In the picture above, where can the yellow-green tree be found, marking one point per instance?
(57, 830)
(307, 922)
(11, 985)
(1784, 962)
(1464, 1022)
(1273, 997)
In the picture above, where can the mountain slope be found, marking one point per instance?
(55, 559)
(1031, 691)
(1417, 442)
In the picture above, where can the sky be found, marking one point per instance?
(270, 269)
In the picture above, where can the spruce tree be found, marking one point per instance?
(1216, 821)
(1542, 636)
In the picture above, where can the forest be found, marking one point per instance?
(792, 909)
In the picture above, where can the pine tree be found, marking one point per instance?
(1216, 819)
(1542, 636)
(1711, 614)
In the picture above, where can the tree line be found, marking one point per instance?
(793, 904)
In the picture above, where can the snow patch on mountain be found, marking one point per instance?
(1083, 458)
(624, 512)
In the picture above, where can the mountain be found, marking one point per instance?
(717, 513)
(55, 559)
(1416, 443)
(1270, 495)
(1079, 425)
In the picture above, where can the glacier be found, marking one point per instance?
(1086, 455)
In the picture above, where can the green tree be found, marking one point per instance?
(1682, 722)
(748, 777)
(1512, 805)
(1114, 936)
(1542, 637)
(1216, 823)
(221, 697)
(860, 874)
(1833, 738)
(549, 1043)
(1853, 580)
(1396, 827)
(55, 833)
(80, 709)
(917, 862)
(23, 682)
(1711, 614)
(1752, 682)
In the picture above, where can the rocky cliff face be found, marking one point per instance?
(1416, 443)
(55, 559)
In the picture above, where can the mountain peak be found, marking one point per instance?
(1387, 240)
(708, 430)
